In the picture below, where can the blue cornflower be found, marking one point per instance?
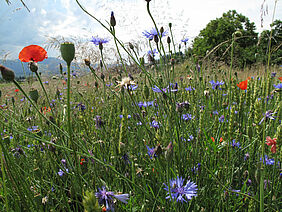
(155, 124)
(215, 112)
(151, 152)
(150, 34)
(268, 115)
(176, 190)
(61, 172)
(107, 198)
(152, 53)
(187, 117)
(191, 138)
(221, 118)
(173, 87)
(98, 41)
(185, 40)
(278, 86)
(235, 144)
(196, 169)
(189, 88)
(132, 87)
(216, 85)
(81, 106)
(158, 90)
(267, 160)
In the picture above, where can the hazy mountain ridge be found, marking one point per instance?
(48, 67)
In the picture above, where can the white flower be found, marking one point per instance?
(126, 82)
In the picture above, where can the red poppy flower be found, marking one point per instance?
(243, 85)
(272, 143)
(17, 90)
(32, 53)
(280, 78)
(213, 140)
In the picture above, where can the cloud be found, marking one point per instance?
(64, 18)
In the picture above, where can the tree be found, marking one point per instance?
(276, 44)
(217, 37)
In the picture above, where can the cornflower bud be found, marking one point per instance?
(131, 46)
(87, 62)
(161, 30)
(168, 40)
(113, 20)
(156, 38)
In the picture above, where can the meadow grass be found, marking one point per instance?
(173, 136)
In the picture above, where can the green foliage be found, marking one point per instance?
(276, 42)
(219, 32)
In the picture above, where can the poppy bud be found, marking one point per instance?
(7, 73)
(131, 46)
(156, 38)
(168, 40)
(67, 52)
(170, 25)
(113, 20)
(33, 66)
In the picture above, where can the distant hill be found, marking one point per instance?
(48, 67)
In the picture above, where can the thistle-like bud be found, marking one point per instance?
(113, 20)
(7, 73)
(67, 52)
(156, 38)
(170, 25)
(33, 66)
(168, 40)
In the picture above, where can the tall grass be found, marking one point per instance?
(103, 130)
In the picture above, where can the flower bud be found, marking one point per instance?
(34, 95)
(87, 62)
(156, 38)
(67, 52)
(113, 20)
(7, 73)
(61, 69)
(33, 67)
(101, 64)
(170, 25)
(131, 46)
(101, 46)
(168, 40)
(161, 30)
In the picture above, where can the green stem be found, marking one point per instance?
(114, 32)
(37, 110)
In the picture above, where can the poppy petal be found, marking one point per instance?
(32, 53)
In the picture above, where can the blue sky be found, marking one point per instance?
(51, 18)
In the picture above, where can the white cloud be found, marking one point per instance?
(65, 18)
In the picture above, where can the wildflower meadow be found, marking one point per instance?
(168, 132)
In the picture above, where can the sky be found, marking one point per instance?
(53, 18)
